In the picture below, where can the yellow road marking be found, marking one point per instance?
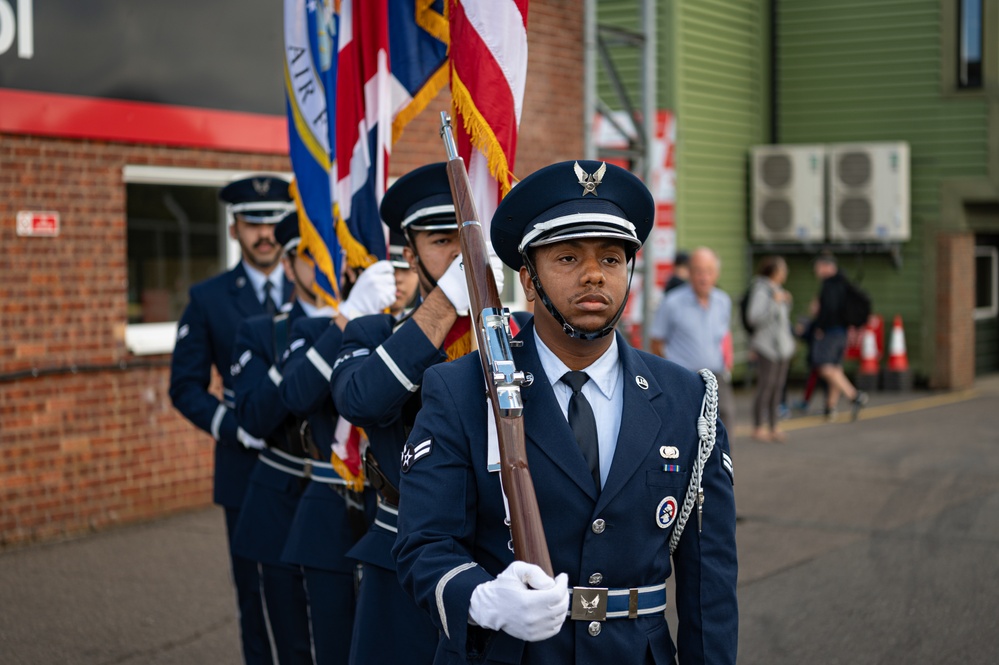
(873, 412)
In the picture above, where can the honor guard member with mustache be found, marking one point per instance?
(205, 336)
(335, 509)
(376, 386)
(283, 469)
(628, 459)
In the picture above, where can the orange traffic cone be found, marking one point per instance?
(897, 376)
(898, 359)
(867, 373)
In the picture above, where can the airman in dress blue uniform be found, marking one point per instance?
(277, 479)
(285, 467)
(629, 461)
(333, 512)
(376, 384)
(205, 336)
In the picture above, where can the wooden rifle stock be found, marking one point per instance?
(491, 324)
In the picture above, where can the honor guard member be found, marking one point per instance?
(334, 510)
(277, 479)
(282, 472)
(376, 384)
(205, 336)
(629, 461)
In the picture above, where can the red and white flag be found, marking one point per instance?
(488, 54)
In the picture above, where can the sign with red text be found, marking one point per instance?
(37, 223)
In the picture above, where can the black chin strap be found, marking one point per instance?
(419, 263)
(568, 328)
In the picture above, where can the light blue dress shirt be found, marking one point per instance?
(604, 391)
(693, 333)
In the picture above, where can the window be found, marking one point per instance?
(969, 44)
(177, 236)
(986, 282)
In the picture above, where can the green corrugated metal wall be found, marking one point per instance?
(720, 83)
(871, 71)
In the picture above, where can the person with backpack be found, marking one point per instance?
(840, 305)
(767, 319)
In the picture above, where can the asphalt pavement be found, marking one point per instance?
(874, 541)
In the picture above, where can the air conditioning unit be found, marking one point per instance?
(869, 192)
(788, 193)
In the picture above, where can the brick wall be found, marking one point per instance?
(85, 450)
(955, 325)
(88, 450)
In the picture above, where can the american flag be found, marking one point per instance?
(488, 59)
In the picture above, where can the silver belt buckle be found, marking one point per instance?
(307, 469)
(588, 604)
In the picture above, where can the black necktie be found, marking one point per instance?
(269, 303)
(582, 422)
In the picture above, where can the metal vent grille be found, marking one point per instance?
(855, 214)
(776, 170)
(854, 169)
(776, 215)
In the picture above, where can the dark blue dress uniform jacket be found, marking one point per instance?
(320, 535)
(375, 386)
(273, 495)
(206, 334)
(452, 536)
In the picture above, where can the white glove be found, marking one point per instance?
(373, 291)
(497, 265)
(453, 284)
(523, 602)
(249, 442)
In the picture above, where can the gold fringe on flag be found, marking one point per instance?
(316, 246)
(433, 22)
(354, 482)
(423, 97)
(480, 133)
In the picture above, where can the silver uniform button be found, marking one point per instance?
(594, 628)
(598, 526)
(596, 578)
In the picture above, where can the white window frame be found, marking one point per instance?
(142, 339)
(992, 311)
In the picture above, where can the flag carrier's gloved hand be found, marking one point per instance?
(373, 291)
(454, 286)
(248, 441)
(522, 601)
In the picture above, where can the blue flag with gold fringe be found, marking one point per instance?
(329, 51)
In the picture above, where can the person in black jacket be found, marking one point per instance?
(829, 336)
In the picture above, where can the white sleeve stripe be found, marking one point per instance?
(387, 359)
(319, 363)
(217, 420)
(275, 375)
(440, 591)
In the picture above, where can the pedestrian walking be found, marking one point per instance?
(768, 312)
(829, 336)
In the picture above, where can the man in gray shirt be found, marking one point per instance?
(691, 324)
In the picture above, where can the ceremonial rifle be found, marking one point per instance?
(491, 323)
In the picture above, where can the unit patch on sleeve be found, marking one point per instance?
(412, 453)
